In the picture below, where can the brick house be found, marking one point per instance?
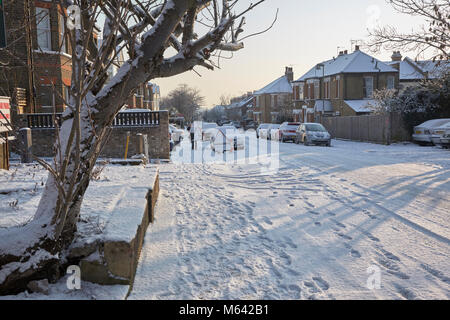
(39, 59)
(241, 108)
(146, 96)
(342, 86)
(274, 97)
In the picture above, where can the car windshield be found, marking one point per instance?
(264, 126)
(290, 126)
(316, 127)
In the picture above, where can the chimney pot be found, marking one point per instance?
(396, 56)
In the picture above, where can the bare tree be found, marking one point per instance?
(433, 38)
(185, 100)
(161, 39)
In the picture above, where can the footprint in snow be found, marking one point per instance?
(355, 253)
(321, 283)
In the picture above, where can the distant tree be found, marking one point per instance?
(225, 100)
(186, 100)
(433, 37)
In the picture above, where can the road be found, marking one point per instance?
(355, 221)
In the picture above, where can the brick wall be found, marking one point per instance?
(158, 140)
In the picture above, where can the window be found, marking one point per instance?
(338, 86)
(274, 101)
(43, 28)
(327, 88)
(368, 87)
(390, 82)
(316, 89)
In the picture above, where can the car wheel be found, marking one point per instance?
(305, 141)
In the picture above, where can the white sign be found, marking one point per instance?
(5, 115)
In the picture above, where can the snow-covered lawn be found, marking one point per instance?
(311, 230)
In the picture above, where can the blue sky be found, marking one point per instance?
(306, 32)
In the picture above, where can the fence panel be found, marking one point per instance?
(370, 128)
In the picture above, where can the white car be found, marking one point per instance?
(273, 127)
(288, 131)
(264, 130)
(437, 133)
(422, 133)
(263, 127)
(208, 130)
(177, 134)
(227, 138)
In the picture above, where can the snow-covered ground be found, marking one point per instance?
(320, 226)
(302, 223)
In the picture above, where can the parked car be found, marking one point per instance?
(227, 138)
(273, 127)
(206, 130)
(313, 133)
(437, 133)
(177, 134)
(445, 139)
(274, 134)
(251, 125)
(288, 131)
(263, 127)
(422, 133)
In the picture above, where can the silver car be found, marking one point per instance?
(313, 133)
(437, 133)
(422, 133)
(445, 139)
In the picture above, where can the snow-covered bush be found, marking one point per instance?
(417, 104)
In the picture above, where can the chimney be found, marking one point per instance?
(356, 48)
(341, 53)
(396, 56)
(289, 74)
(346, 52)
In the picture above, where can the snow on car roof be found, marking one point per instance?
(433, 123)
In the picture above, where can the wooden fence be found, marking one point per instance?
(383, 129)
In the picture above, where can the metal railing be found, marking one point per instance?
(136, 119)
(43, 120)
(123, 119)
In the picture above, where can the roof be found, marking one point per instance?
(280, 85)
(420, 70)
(362, 105)
(356, 62)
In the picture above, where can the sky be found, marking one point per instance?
(305, 33)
